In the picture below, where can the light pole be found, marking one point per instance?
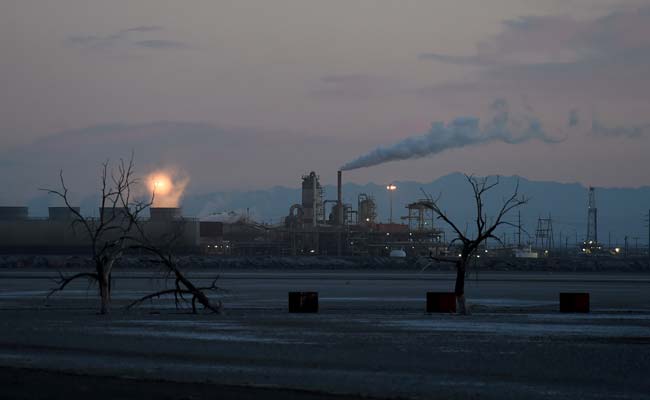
(391, 188)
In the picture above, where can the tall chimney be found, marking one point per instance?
(339, 195)
(339, 204)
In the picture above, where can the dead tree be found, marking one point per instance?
(182, 285)
(120, 228)
(484, 229)
(108, 234)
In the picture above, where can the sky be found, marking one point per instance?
(239, 95)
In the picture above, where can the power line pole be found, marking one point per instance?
(609, 239)
(592, 217)
(519, 229)
(648, 222)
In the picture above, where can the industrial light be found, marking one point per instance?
(391, 187)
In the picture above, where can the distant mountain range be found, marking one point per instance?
(621, 212)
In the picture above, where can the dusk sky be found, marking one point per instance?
(252, 94)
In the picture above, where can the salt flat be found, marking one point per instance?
(371, 337)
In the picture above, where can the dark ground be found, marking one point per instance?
(32, 384)
(371, 338)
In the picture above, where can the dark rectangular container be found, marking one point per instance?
(441, 302)
(574, 302)
(303, 302)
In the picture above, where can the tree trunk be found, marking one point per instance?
(105, 295)
(197, 294)
(104, 289)
(459, 289)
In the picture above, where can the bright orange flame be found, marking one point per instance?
(160, 184)
(167, 187)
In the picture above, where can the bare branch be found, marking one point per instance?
(178, 292)
(65, 281)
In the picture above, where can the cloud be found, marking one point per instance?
(450, 59)
(631, 131)
(161, 44)
(356, 86)
(144, 29)
(574, 118)
(124, 37)
(592, 57)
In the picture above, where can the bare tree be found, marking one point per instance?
(109, 233)
(119, 228)
(182, 285)
(484, 229)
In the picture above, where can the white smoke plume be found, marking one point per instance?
(461, 132)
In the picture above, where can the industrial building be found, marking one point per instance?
(326, 227)
(58, 233)
(313, 226)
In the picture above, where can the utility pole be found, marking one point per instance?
(519, 229)
(391, 188)
(609, 239)
(592, 217)
(648, 222)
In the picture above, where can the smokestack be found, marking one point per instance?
(339, 197)
(338, 188)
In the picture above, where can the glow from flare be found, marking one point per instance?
(166, 187)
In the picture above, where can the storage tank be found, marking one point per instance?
(164, 213)
(117, 213)
(14, 213)
(62, 213)
(398, 253)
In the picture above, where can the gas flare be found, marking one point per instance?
(167, 188)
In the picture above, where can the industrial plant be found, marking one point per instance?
(314, 225)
